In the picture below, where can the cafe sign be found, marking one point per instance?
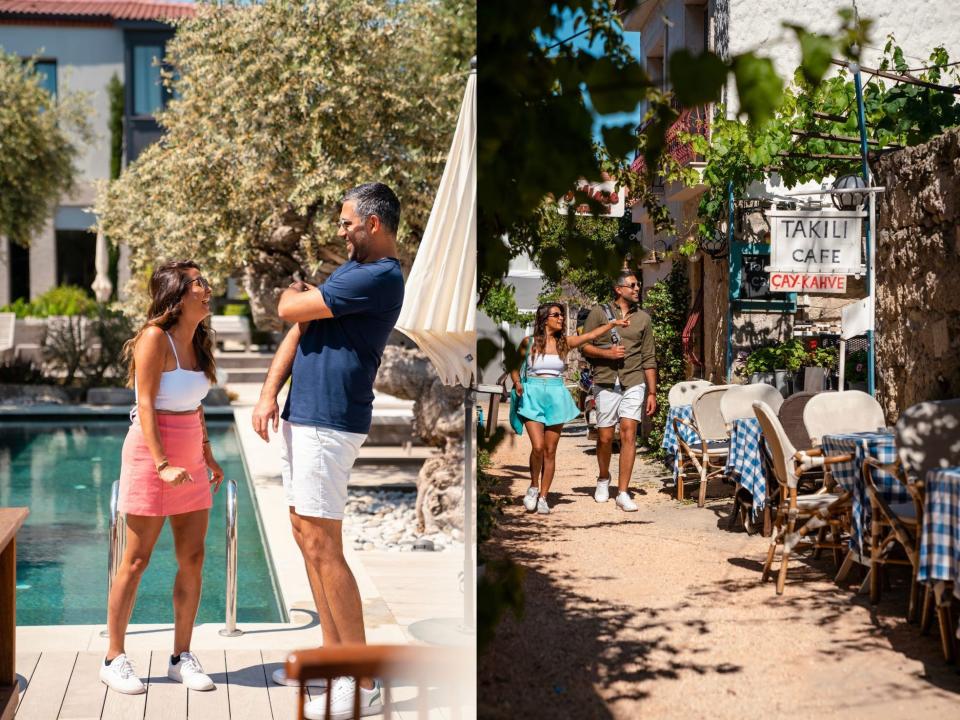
(812, 251)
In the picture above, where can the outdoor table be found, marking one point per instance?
(10, 521)
(745, 461)
(940, 540)
(684, 412)
(878, 444)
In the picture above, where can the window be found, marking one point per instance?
(148, 92)
(76, 250)
(47, 70)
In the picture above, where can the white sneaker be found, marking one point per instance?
(530, 499)
(341, 704)
(280, 678)
(602, 493)
(189, 672)
(542, 507)
(625, 502)
(120, 676)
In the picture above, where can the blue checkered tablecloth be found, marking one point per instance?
(684, 412)
(849, 475)
(940, 543)
(745, 462)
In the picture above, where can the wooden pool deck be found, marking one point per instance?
(65, 686)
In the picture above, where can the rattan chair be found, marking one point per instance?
(835, 413)
(685, 391)
(797, 515)
(737, 402)
(706, 458)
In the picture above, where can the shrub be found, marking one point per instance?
(89, 349)
(61, 300)
(666, 302)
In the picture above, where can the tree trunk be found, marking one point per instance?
(438, 420)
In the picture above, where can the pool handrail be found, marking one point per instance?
(231, 629)
(118, 545)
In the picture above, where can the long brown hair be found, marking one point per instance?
(540, 331)
(168, 285)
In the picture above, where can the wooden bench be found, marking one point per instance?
(231, 327)
(10, 521)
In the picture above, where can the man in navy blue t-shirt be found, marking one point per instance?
(331, 355)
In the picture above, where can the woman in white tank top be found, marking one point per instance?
(540, 401)
(167, 467)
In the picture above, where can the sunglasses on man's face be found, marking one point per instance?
(632, 286)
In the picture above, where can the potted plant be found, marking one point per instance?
(760, 365)
(825, 358)
(791, 356)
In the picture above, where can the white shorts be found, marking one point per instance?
(316, 464)
(612, 405)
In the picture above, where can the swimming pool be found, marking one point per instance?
(64, 474)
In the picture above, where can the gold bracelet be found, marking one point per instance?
(162, 464)
(205, 442)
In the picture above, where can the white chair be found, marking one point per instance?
(706, 458)
(814, 511)
(683, 392)
(231, 327)
(836, 413)
(737, 402)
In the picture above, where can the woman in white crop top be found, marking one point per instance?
(540, 401)
(167, 467)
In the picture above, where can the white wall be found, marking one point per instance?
(918, 25)
(86, 59)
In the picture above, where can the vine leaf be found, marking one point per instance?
(758, 85)
(816, 52)
(620, 140)
(697, 79)
(614, 87)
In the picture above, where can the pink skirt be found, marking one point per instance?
(142, 492)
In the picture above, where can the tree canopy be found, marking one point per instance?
(38, 146)
(278, 109)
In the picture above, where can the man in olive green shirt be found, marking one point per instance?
(625, 383)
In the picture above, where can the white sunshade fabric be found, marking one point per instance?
(438, 311)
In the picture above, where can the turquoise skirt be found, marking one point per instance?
(544, 400)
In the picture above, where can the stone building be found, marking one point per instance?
(729, 27)
(79, 46)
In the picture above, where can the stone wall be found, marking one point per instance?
(918, 258)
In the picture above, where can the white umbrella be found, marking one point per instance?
(102, 287)
(439, 315)
(439, 312)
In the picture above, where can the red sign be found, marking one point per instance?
(807, 282)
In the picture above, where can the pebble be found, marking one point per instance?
(387, 520)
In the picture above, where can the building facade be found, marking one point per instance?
(79, 46)
(729, 27)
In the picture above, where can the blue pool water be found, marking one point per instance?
(64, 473)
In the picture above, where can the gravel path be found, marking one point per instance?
(661, 614)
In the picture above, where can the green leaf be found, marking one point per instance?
(615, 87)
(620, 140)
(758, 85)
(815, 54)
(697, 79)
